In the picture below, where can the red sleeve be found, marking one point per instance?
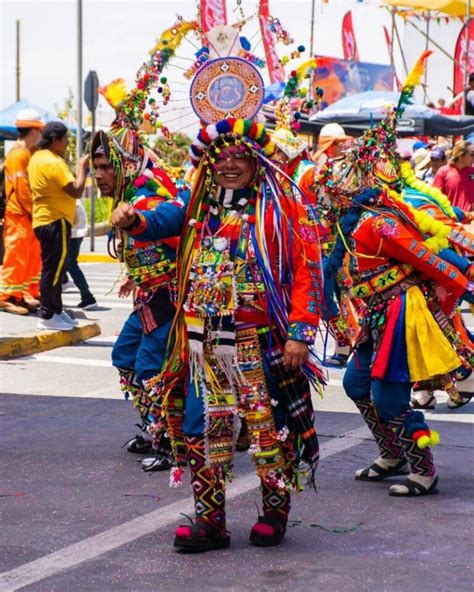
(402, 244)
(305, 265)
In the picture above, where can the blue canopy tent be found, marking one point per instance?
(358, 112)
(8, 118)
(273, 92)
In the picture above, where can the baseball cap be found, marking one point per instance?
(53, 129)
(438, 153)
(27, 118)
(419, 144)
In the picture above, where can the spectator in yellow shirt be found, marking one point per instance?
(54, 190)
(19, 282)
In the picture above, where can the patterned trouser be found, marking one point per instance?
(394, 442)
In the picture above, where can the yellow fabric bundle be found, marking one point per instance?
(429, 352)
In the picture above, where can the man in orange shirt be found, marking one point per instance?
(19, 288)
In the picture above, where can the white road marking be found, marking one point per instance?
(103, 339)
(65, 360)
(111, 393)
(115, 537)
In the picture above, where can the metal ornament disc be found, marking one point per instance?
(227, 87)
(220, 244)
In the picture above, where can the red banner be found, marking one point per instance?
(349, 43)
(213, 13)
(275, 69)
(460, 62)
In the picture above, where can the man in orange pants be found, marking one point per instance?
(19, 280)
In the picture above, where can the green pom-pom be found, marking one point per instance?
(163, 80)
(151, 184)
(129, 192)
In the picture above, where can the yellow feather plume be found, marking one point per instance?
(172, 37)
(416, 73)
(304, 67)
(115, 92)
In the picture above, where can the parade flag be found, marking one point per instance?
(213, 13)
(389, 48)
(460, 61)
(349, 44)
(388, 40)
(275, 69)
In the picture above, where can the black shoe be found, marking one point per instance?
(268, 537)
(88, 304)
(200, 537)
(138, 445)
(336, 361)
(153, 464)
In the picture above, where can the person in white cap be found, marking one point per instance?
(332, 138)
(19, 282)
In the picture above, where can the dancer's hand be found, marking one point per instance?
(295, 355)
(126, 288)
(123, 216)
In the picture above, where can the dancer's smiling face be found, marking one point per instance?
(234, 167)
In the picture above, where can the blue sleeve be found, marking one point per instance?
(462, 263)
(459, 213)
(165, 221)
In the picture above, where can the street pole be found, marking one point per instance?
(392, 37)
(79, 81)
(400, 47)
(91, 99)
(466, 58)
(18, 93)
(427, 46)
(311, 36)
(92, 230)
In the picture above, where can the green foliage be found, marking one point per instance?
(174, 150)
(102, 208)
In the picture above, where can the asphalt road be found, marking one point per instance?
(78, 513)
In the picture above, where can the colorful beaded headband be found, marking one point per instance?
(253, 134)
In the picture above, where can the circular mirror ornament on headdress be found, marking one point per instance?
(227, 87)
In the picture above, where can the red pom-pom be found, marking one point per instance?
(140, 181)
(419, 433)
(204, 136)
(252, 131)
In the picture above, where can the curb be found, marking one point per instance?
(96, 258)
(16, 346)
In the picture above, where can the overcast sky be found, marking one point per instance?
(117, 35)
